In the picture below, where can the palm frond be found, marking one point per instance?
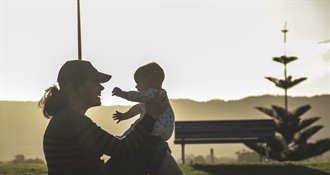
(276, 81)
(308, 150)
(307, 122)
(276, 151)
(306, 134)
(289, 84)
(269, 112)
(300, 111)
(282, 114)
(278, 126)
(321, 146)
(284, 59)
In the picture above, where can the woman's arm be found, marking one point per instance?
(93, 138)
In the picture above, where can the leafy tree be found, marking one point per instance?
(195, 159)
(19, 159)
(199, 160)
(292, 132)
(34, 161)
(246, 156)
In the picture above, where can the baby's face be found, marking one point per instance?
(142, 83)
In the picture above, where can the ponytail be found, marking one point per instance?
(52, 101)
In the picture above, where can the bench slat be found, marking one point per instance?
(211, 129)
(217, 123)
(203, 141)
(225, 135)
(223, 131)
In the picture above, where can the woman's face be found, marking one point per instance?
(91, 92)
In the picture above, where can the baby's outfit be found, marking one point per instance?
(164, 125)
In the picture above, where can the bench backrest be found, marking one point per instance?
(224, 131)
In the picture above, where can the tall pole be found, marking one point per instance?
(79, 31)
(285, 76)
(285, 31)
(285, 90)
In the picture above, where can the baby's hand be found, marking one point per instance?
(116, 91)
(120, 116)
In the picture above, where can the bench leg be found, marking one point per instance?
(267, 153)
(260, 153)
(182, 154)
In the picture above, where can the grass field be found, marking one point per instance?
(284, 168)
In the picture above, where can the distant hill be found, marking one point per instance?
(22, 124)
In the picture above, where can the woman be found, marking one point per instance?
(73, 143)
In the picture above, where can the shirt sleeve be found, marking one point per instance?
(136, 109)
(92, 138)
(142, 97)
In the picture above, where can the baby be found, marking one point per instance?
(149, 79)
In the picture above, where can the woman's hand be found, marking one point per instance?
(156, 105)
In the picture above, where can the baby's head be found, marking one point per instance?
(148, 76)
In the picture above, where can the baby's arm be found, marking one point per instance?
(133, 111)
(120, 93)
(142, 97)
(135, 96)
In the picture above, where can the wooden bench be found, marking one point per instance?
(224, 131)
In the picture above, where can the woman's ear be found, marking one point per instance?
(76, 87)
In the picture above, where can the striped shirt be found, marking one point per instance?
(73, 143)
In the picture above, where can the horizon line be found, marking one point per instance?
(215, 99)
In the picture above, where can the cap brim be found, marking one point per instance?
(102, 77)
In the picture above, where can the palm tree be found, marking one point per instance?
(292, 132)
(287, 82)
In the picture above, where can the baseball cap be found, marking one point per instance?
(75, 70)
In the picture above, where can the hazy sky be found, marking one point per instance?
(208, 49)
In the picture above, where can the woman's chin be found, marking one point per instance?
(96, 102)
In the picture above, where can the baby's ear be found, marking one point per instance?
(151, 79)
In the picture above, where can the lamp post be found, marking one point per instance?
(79, 31)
